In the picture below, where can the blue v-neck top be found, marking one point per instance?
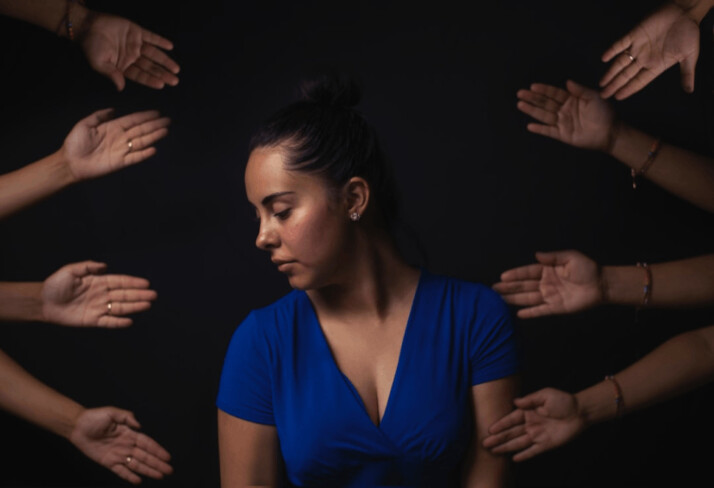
(280, 371)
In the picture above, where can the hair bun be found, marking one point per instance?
(333, 88)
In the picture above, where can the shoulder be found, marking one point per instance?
(466, 296)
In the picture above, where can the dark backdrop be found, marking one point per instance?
(480, 191)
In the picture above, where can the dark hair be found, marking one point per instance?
(324, 134)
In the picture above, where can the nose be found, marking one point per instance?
(267, 237)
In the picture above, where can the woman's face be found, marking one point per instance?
(303, 225)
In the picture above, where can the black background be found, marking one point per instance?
(480, 191)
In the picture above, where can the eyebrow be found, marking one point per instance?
(265, 201)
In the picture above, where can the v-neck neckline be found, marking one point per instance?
(348, 383)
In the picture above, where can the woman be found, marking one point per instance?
(371, 372)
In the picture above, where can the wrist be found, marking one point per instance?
(74, 21)
(595, 404)
(613, 134)
(695, 9)
(63, 167)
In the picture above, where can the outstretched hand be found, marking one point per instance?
(107, 436)
(578, 116)
(561, 282)
(664, 38)
(119, 48)
(542, 421)
(98, 144)
(79, 294)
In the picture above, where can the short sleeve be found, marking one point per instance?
(245, 389)
(493, 346)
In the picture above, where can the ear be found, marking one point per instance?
(356, 193)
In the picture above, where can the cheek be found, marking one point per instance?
(316, 236)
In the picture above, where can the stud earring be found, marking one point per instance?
(354, 217)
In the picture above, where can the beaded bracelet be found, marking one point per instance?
(651, 155)
(647, 288)
(67, 19)
(619, 400)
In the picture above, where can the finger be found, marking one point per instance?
(524, 299)
(142, 77)
(124, 295)
(529, 272)
(158, 467)
(142, 142)
(156, 40)
(516, 444)
(139, 467)
(537, 113)
(128, 121)
(117, 282)
(537, 311)
(530, 452)
(550, 91)
(149, 445)
(687, 67)
(111, 322)
(148, 127)
(156, 70)
(532, 401)
(619, 46)
(622, 78)
(98, 117)
(159, 57)
(127, 308)
(504, 436)
(514, 418)
(511, 287)
(125, 473)
(125, 417)
(618, 65)
(86, 268)
(544, 130)
(538, 100)
(642, 79)
(139, 156)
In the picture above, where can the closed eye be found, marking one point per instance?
(283, 214)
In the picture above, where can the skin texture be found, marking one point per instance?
(362, 293)
(115, 47)
(108, 435)
(96, 146)
(662, 39)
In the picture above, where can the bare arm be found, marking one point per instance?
(97, 145)
(683, 173)
(249, 453)
(106, 435)
(550, 418)
(48, 14)
(491, 401)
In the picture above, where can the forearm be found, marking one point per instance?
(678, 365)
(683, 173)
(34, 182)
(686, 282)
(695, 9)
(21, 301)
(23, 395)
(48, 14)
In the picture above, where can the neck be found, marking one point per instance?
(377, 281)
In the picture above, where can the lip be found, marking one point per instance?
(282, 263)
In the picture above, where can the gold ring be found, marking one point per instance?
(109, 308)
(130, 144)
(128, 460)
(632, 58)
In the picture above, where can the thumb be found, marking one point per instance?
(532, 401)
(86, 268)
(553, 258)
(686, 69)
(98, 117)
(575, 88)
(124, 417)
(111, 72)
